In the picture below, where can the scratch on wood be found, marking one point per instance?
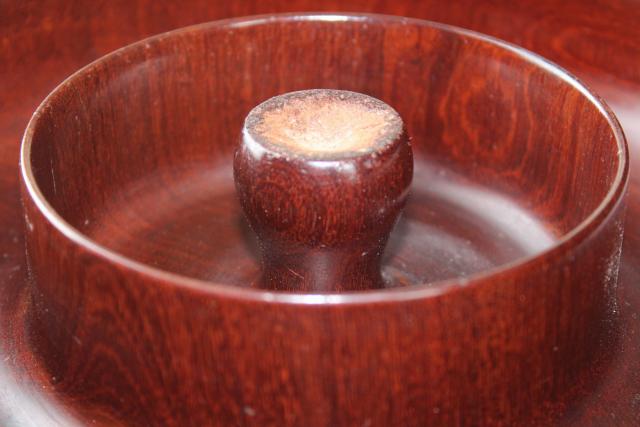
(295, 273)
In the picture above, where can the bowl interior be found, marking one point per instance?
(135, 150)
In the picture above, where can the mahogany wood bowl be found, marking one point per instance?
(142, 270)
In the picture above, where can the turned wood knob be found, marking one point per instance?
(322, 176)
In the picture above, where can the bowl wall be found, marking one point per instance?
(497, 346)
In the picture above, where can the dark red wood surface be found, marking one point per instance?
(43, 44)
(322, 217)
(112, 333)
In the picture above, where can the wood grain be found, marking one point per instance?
(141, 343)
(45, 41)
(322, 176)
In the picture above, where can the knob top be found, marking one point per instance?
(324, 124)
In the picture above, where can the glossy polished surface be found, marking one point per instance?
(48, 40)
(204, 211)
(496, 117)
(322, 176)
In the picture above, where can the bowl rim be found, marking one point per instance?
(565, 244)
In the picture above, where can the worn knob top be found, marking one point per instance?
(322, 176)
(324, 123)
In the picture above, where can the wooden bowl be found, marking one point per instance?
(501, 273)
